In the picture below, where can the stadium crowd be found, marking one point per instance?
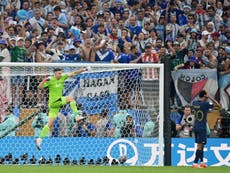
(194, 33)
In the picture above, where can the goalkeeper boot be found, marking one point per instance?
(203, 165)
(38, 143)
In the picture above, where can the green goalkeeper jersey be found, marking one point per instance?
(55, 88)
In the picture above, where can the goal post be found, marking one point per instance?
(122, 106)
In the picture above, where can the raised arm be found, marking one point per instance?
(77, 72)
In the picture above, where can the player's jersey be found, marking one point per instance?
(201, 109)
(55, 87)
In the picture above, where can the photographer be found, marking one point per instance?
(185, 127)
(39, 121)
(128, 129)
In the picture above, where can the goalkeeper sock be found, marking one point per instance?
(45, 131)
(74, 108)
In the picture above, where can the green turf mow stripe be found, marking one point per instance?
(108, 169)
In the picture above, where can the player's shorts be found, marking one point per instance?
(200, 136)
(55, 106)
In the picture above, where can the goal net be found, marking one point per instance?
(121, 106)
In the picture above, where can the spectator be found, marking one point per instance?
(160, 28)
(216, 39)
(101, 32)
(140, 41)
(55, 26)
(204, 39)
(133, 27)
(213, 17)
(200, 15)
(9, 122)
(88, 51)
(72, 56)
(62, 20)
(103, 53)
(103, 125)
(158, 45)
(78, 46)
(211, 47)
(25, 13)
(190, 64)
(18, 53)
(4, 52)
(119, 120)
(128, 129)
(177, 54)
(37, 21)
(224, 79)
(210, 59)
(192, 40)
(41, 55)
(200, 57)
(172, 28)
(149, 56)
(114, 39)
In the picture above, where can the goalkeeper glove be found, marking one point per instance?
(85, 69)
(45, 80)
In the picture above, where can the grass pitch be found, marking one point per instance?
(108, 169)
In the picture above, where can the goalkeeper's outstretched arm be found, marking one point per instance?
(77, 72)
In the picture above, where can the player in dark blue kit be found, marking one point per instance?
(201, 108)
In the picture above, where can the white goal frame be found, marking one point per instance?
(111, 66)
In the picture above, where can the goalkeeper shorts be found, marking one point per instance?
(54, 107)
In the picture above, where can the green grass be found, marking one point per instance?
(108, 169)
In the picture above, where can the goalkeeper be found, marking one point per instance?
(55, 85)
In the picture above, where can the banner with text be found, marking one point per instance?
(188, 83)
(95, 91)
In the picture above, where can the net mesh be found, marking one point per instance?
(119, 108)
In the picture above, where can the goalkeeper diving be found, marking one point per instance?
(55, 85)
